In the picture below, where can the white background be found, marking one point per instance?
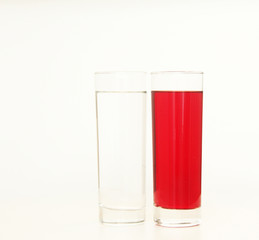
(48, 165)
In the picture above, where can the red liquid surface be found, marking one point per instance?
(177, 148)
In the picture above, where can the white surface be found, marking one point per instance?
(48, 53)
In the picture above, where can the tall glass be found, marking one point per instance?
(177, 147)
(121, 124)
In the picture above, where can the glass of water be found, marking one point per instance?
(121, 125)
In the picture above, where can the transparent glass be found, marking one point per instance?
(177, 147)
(121, 124)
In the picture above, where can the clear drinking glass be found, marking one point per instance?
(177, 147)
(121, 124)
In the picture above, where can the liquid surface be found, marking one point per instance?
(177, 140)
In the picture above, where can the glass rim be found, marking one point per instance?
(177, 72)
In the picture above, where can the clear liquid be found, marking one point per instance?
(121, 123)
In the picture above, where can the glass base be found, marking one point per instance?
(177, 217)
(121, 216)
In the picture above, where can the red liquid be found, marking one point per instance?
(177, 139)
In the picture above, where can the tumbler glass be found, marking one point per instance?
(121, 130)
(177, 147)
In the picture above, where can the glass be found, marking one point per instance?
(121, 124)
(177, 147)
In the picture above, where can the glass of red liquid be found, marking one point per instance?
(177, 147)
